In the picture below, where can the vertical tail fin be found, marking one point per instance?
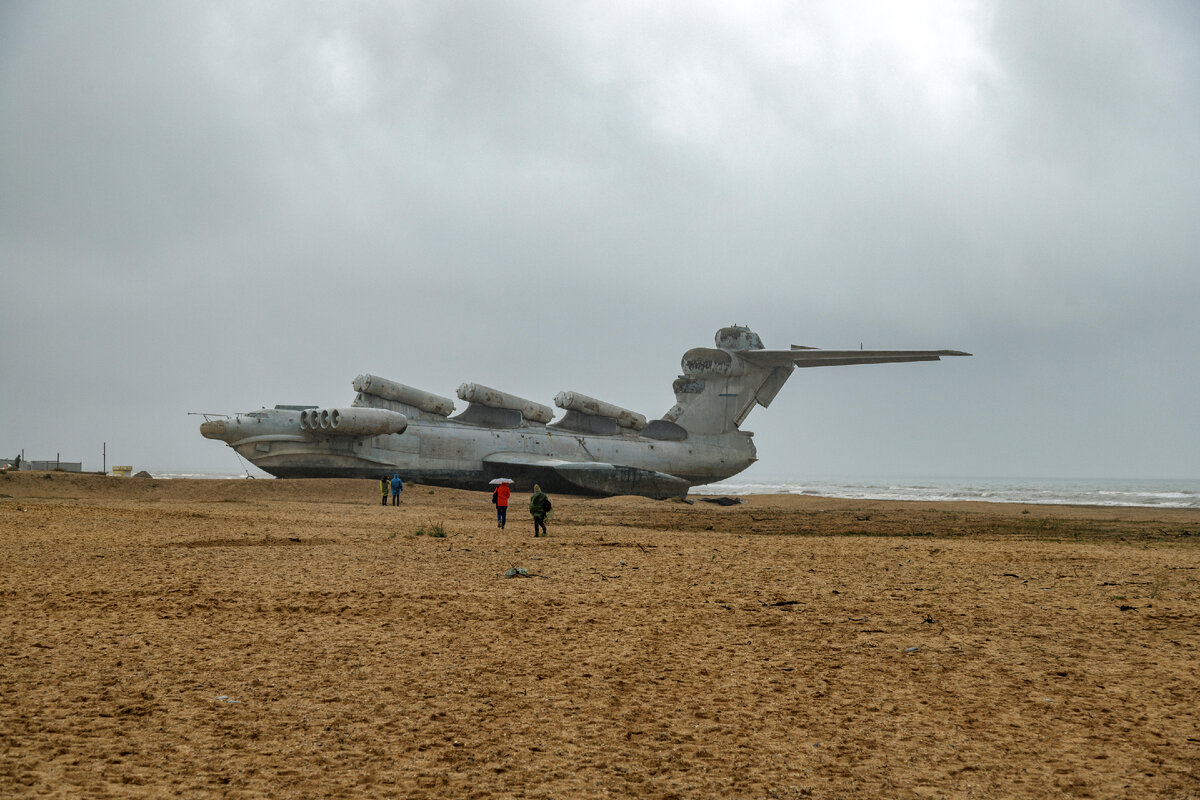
(718, 388)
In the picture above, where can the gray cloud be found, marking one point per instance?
(214, 207)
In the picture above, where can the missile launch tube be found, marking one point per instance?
(494, 398)
(574, 401)
(398, 392)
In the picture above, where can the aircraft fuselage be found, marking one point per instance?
(596, 447)
(445, 452)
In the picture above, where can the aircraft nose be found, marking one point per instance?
(213, 429)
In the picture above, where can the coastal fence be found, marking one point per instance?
(46, 466)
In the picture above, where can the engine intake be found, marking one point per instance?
(352, 421)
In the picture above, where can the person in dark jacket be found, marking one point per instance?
(397, 488)
(539, 507)
(384, 483)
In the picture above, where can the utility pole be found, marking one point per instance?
(104, 459)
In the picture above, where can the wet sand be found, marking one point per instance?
(295, 639)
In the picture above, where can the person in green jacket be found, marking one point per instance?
(539, 507)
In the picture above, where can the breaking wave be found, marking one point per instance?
(1047, 491)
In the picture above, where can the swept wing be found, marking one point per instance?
(591, 476)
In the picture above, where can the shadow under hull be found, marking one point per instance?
(524, 479)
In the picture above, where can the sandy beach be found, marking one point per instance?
(296, 639)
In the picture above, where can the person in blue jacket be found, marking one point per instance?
(397, 488)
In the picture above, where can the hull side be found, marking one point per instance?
(453, 455)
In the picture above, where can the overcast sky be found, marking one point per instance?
(218, 206)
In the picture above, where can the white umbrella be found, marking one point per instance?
(500, 480)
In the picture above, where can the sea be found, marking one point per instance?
(1153, 493)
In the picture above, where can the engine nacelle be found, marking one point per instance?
(494, 398)
(399, 393)
(581, 403)
(352, 421)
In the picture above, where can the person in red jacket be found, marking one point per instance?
(500, 498)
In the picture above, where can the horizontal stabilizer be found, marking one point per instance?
(813, 357)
